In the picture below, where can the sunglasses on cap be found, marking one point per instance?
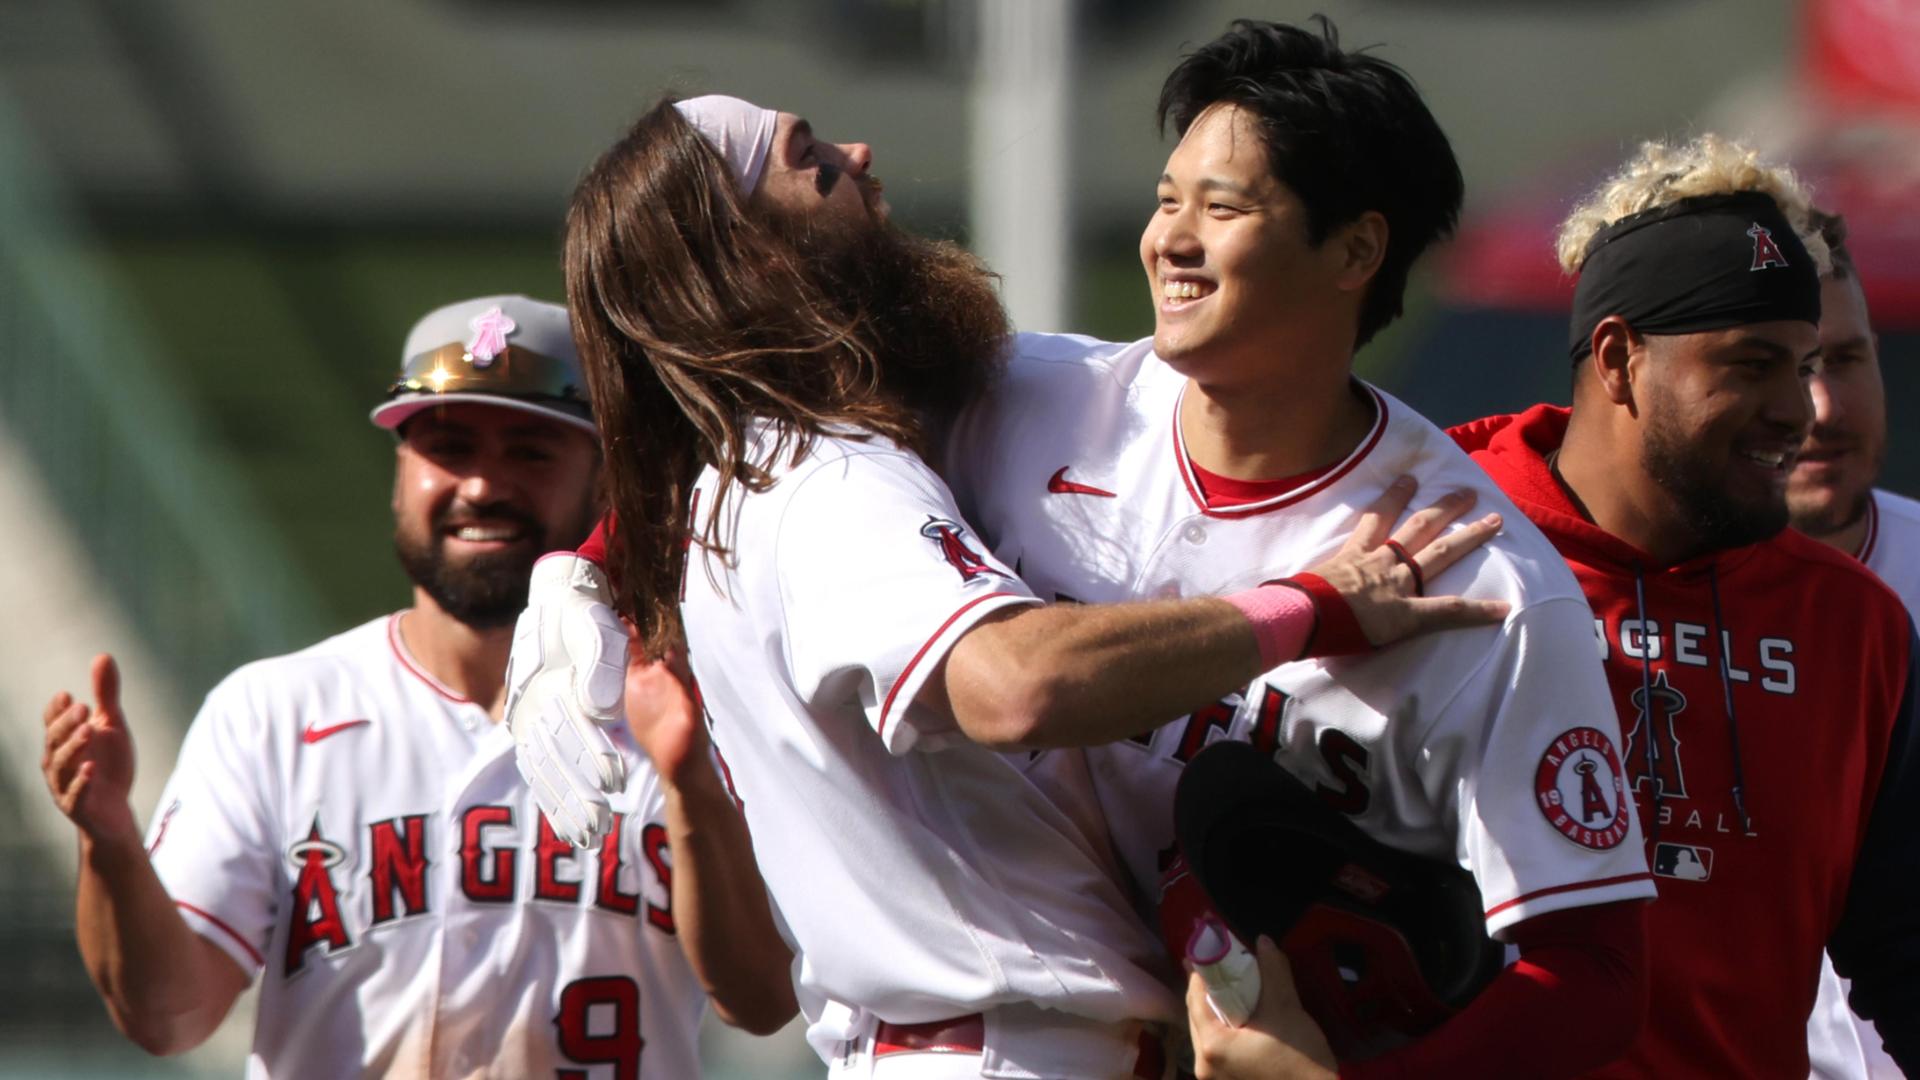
(513, 371)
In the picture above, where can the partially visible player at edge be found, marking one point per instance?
(346, 825)
(763, 386)
(1772, 751)
(1832, 498)
(1236, 443)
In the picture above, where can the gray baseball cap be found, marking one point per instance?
(510, 351)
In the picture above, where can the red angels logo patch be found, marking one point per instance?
(1765, 252)
(950, 538)
(1581, 790)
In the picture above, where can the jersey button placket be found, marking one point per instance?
(1195, 533)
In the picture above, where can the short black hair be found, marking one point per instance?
(1347, 132)
(1833, 229)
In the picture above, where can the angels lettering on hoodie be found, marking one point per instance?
(1764, 695)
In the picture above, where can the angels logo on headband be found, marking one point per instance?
(1765, 252)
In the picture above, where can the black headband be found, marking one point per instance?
(1704, 263)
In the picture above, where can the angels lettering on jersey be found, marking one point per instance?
(382, 870)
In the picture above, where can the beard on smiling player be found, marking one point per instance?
(1717, 517)
(484, 590)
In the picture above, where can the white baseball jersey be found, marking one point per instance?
(1842, 1046)
(918, 876)
(356, 835)
(1496, 747)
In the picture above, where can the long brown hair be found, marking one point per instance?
(694, 316)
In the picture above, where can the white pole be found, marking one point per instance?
(1021, 154)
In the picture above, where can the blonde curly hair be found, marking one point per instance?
(1664, 173)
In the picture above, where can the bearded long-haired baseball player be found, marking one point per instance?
(771, 359)
(345, 824)
(1772, 754)
(1237, 443)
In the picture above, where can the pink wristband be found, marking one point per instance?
(1282, 618)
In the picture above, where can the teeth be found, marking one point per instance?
(1772, 460)
(1180, 290)
(479, 534)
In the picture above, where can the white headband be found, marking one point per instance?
(740, 130)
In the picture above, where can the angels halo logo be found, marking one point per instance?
(1581, 790)
(950, 537)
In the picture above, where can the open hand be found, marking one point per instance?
(88, 757)
(1382, 572)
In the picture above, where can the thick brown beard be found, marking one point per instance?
(927, 308)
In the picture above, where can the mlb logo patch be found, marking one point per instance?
(1685, 862)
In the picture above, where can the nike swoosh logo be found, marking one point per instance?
(1058, 484)
(314, 734)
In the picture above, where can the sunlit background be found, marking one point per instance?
(219, 217)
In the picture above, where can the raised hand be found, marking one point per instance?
(564, 681)
(1382, 573)
(88, 757)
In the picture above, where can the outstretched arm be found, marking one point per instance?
(720, 905)
(165, 986)
(1079, 675)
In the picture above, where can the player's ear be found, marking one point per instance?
(1361, 246)
(1617, 352)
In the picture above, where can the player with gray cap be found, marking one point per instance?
(346, 824)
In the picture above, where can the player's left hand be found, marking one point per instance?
(1279, 1041)
(1381, 572)
(664, 714)
(564, 680)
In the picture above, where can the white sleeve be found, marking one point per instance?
(211, 842)
(1544, 816)
(878, 578)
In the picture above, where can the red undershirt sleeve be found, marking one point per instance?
(1574, 1000)
(594, 550)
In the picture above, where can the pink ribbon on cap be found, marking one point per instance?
(740, 130)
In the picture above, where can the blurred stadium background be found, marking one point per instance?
(219, 217)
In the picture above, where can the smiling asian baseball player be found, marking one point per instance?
(1236, 444)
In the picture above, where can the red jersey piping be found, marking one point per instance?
(1305, 491)
(1552, 889)
(224, 928)
(1873, 529)
(887, 706)
(413, 667)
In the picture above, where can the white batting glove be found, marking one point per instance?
(565, 676)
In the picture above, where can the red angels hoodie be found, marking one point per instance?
(1764, 694)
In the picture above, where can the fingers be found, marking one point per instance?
(66, 757)
(1376, 521)
(60, 730)
(1421, 528)
(1451, 548)
(1199, 1015)
(106, 686)
(57, 705)
(577, 813)
(1276, 973)
(1454, 612)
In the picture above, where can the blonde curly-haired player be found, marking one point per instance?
(1771, 749)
